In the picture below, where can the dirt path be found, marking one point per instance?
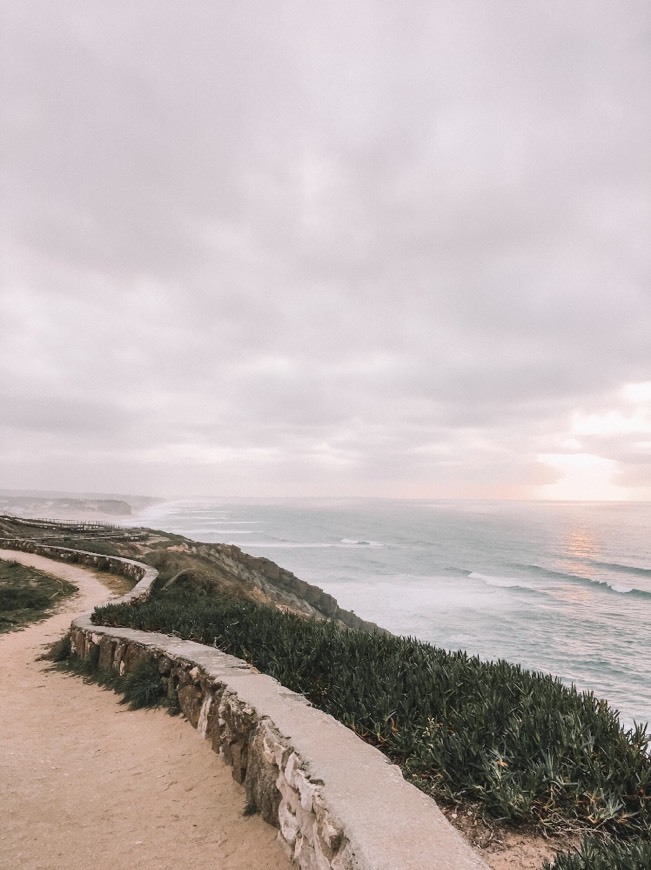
(86, 783)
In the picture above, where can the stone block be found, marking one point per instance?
(239, 759)
(118, 654)
(260, 781)
(165, 666)
(134, 654)
(274, 747)
(305, 788)
(288, 823)
(106, 647)
(345, 860)
(190, 701)
(292, 762)
(305, 855)
(322, 860)
(202, 724)
(331, 835)
(213, 725)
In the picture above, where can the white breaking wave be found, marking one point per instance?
(504, 582)
(193, 533)
(619, 587)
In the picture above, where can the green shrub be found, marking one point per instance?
(143, 687)
(59, 651)
(27, 595)
(613, 855)
(23, 597)
(523, 744)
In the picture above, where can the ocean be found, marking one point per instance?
(560, 587)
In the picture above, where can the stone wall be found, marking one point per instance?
(337, 802)
(143, 575)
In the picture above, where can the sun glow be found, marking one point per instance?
(585, 477)
(584, 457)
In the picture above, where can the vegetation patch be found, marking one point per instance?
(143, 687)
(27, 595)
(605, 855)
(523, 745)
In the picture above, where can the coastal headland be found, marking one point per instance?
(186, 566)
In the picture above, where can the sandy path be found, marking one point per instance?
(86, 783)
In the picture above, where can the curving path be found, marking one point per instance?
(86, 783)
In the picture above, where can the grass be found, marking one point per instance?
(28, 595)
(143, 687)
(523, 745)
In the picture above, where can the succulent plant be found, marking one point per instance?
(523, 744)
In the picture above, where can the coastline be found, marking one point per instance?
(500, 581)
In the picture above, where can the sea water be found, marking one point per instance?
(563, 588)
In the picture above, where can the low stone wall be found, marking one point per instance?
(143, 575)
(337, 802)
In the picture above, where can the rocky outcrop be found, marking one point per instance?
(278, 583)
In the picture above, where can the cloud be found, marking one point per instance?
(608, 449)
(362, 248)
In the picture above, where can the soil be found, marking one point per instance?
(506, 849)
(87, 783)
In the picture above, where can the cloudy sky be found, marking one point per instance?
(360, 247)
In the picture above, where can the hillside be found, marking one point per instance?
(184, 562)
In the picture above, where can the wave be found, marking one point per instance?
(549, 573)
(618, 588)
(624, 569)
(352, 542)
(222, 521)
(295, 545)
(505, 583)
(231, 531)
(195, 532)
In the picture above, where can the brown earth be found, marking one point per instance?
(504, 849)
(86, 783)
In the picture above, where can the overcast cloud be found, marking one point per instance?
(349, 248)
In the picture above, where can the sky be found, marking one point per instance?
(350, 248)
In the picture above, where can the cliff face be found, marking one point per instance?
(283, 587)
(64, 507)
(222, 567)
